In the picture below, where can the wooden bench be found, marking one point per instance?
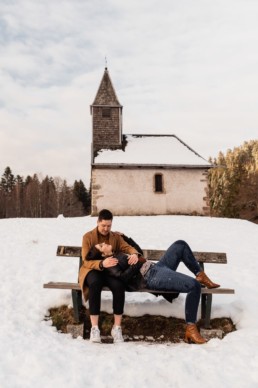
(154, 255)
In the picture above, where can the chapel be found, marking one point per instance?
(141, 174)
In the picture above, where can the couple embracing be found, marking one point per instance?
(109, 260)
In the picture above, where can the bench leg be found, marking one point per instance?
(206, 310)
(77, 304)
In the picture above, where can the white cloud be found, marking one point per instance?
(186, 68)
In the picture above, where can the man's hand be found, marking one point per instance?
(133, 259)
(109, 262)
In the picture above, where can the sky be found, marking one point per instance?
(34, 354)
(186, 67)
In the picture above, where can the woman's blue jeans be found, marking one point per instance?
(163, 276)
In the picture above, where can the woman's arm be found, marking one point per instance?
(127, 275)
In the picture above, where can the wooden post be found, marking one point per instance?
(77, 304)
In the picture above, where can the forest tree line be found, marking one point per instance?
(233, 184)
(48, 197)
(233, 190)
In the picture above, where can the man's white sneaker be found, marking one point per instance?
(95, 335)
(116, 333)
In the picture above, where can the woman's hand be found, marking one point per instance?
(133, 259)
(109, 262)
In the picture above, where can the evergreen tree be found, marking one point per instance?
(82, 195)
(2, 203)
(48, 198)
(32, 197)
(19, 196)
(7, 181)
(64, 200)
(6, 186)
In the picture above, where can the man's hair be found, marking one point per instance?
(105, 214)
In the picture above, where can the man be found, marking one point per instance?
(93, 278)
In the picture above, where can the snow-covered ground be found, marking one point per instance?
(34, 354)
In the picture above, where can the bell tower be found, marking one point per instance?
(106, 114)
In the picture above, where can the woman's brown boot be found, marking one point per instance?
(205, 281)
(192, 335)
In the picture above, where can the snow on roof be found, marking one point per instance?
(152, 150)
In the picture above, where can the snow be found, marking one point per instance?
(33, 353)
(158, 150)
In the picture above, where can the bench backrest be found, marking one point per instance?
(151, 254)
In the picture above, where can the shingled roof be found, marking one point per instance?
(106, 95)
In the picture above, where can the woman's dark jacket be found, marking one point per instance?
(130, 274)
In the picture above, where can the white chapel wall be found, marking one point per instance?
(131, 191)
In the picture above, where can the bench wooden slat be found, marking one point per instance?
(62, 285)
(151, 254)
(68, 251)
(76, 286)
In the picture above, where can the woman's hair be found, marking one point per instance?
(94, 254)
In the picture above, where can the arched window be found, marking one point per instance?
(158, 180)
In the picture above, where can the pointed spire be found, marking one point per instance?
(106, 94)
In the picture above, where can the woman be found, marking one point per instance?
(162, 276)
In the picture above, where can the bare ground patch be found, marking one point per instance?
(149, 328)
